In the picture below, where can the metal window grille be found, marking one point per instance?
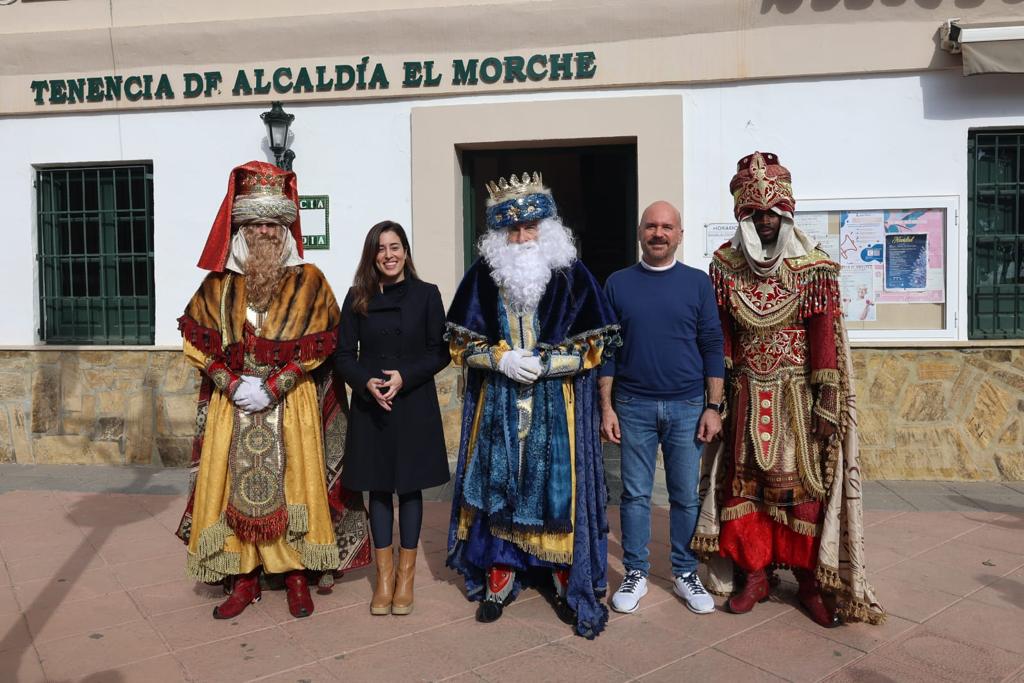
(996, 234)
(95, 254)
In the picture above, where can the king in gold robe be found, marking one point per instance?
(257, 329)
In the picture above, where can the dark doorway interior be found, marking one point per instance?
(594, 188)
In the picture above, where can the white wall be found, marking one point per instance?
(845, 137)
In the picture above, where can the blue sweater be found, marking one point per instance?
(672, 337)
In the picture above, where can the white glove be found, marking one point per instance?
(250, 395)
(520, 365)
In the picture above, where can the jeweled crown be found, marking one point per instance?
(261, 183)
(516, 186)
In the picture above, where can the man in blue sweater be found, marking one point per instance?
(668, 390)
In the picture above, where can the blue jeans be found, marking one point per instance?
(644, 423)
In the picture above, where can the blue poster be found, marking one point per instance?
(906, 261)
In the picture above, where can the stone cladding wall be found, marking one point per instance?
(944, 414)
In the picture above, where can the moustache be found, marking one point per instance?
(657, 240)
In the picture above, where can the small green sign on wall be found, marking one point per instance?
(315, 211)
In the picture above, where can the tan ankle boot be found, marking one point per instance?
(384, 592)
(402, 603)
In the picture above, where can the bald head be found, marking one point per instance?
(661, 212)
(660, 232)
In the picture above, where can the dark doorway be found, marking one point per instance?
(594, 188)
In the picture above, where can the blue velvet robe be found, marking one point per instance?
(572, 311)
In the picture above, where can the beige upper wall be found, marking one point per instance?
(637, 41)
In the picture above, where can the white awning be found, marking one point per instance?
(987, 48)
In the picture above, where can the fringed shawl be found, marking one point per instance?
(301, 323)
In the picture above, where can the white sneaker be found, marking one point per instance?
(634, 587)
(690, 589)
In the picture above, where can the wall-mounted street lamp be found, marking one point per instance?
(278, 121)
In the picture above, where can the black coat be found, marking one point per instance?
(402, 450)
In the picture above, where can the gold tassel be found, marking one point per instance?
(522, 540)
(704, 544)
(736, 511)
(320, 557)
(298, 519)
(213, 537)
(212, 569)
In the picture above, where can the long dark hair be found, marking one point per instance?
(366, 282)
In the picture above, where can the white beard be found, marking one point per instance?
(522, 271)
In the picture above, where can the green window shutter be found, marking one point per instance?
(996, 234)
(95, 254)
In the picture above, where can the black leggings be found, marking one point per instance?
(382, 517)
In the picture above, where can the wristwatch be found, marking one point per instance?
(717, 407)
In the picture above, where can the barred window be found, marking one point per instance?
(996, 234)
(95, 254)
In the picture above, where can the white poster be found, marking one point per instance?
(857, 289)
(717, 234)
(815, 225)
(861, 238)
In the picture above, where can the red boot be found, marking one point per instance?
(810, 598)
(756, 590)
(245, 592)
(300, 604)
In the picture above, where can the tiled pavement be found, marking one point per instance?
(92, 589)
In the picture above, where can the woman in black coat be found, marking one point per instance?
(390, 346)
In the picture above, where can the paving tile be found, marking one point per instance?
(973, 621)
(131, 550)
(932, 575)
(79, 656)
(551, 662)
(150, 571)
(344, 630)
(311, 673)
(643, 642)
(918, 532)
(1007, 591)
(858, 635)
(873, 517)
(531, 610)
(950, 656)
(162, 669)
(8, 603)
(14, 633)
(788, 651)
(1005, 537)
(877, 669)
(436, 653)
(710, 665)
(244, 657)
(42, 522)
(44, 547)
(196, 626)
(175, 595)
(963, 566)
(67, 587)
(904, 597)
(21, 665)
(14, 503)
(58, 620)
(719, 625)
(83, 559)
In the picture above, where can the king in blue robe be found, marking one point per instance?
(530, 494)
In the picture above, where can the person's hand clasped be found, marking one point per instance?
(710, 427)
(520, 366)
(375, 386)
(250, 395)
(392, 385)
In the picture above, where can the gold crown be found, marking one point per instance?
(516, 187)
(261, 183)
